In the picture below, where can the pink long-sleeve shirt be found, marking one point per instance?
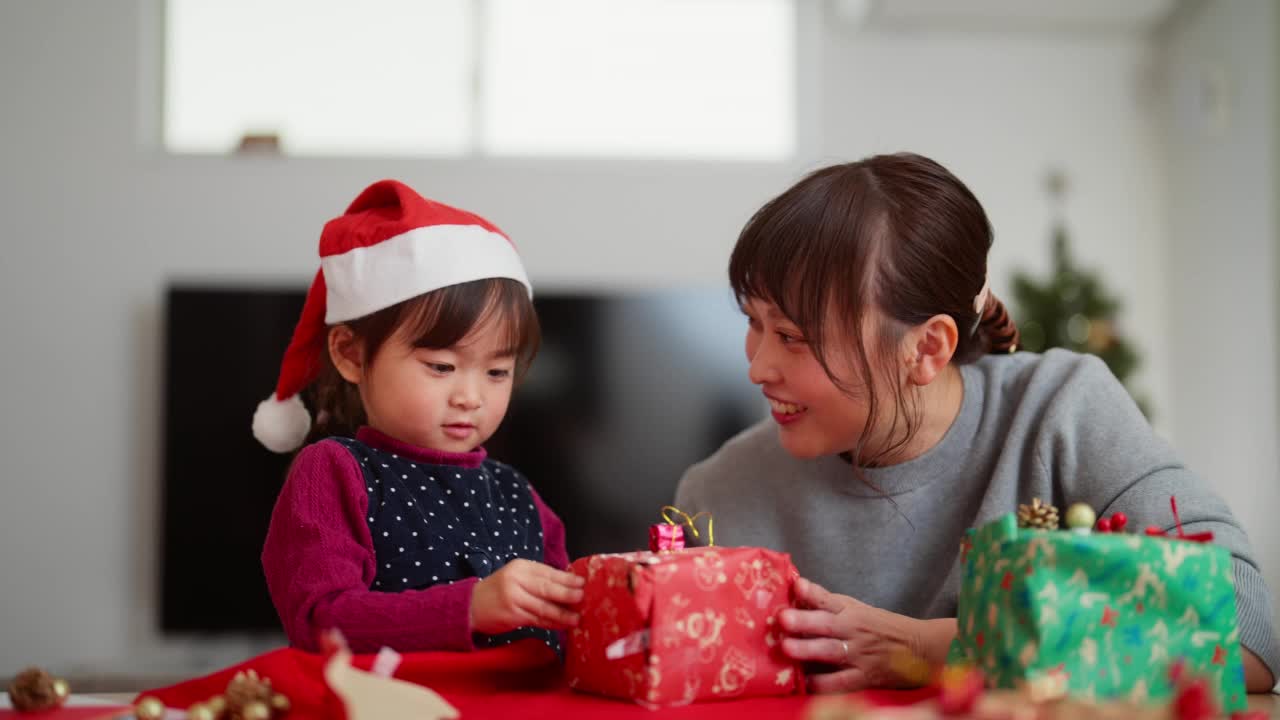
(320, 562)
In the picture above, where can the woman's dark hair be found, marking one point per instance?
(895, 232)
(438, 319)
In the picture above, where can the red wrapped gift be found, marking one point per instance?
(666, 536)
(674, 627)
(670, 535)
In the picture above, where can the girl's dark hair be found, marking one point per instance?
(438, 319)
(895, 232)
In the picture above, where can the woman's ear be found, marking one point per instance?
(930, 346)
(347, 353)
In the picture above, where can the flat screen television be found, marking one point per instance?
(628, 390)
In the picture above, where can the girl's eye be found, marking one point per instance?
(439, 367)
(753, 323)
(499, 374)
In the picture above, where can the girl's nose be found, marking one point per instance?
(466, 402)
(465, 396)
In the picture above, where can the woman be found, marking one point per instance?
(901, 418)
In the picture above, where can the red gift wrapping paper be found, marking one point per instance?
(671, 628)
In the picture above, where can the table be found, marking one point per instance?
(1269, 704)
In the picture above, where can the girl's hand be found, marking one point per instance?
(523, 593)
(864, 644)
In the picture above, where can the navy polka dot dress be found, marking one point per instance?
(433, 524)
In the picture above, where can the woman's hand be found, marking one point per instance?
(866, 645)
(523, 593)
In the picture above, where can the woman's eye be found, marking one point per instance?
(439, 367)
(788, 339)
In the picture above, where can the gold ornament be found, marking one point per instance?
(1080, 516)
(256, 710)
(34, 689)
(217, 705)
(1102, 335)
(280, 703)
(247, 697)
(149, 708)
(1038, 515)
(910, 667)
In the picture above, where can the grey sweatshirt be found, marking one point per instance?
(1057, 426)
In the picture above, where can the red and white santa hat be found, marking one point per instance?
(390, 245)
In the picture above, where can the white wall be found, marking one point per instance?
(97, 220)
(1000, 110)
(1222, 130)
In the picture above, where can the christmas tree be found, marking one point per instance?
(1071, 309)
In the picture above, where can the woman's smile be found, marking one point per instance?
(785, 412)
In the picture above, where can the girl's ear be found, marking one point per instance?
(347, 353)
(930, 346)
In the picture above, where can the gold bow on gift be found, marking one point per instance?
(671, 535)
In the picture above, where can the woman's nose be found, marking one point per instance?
(762, 369)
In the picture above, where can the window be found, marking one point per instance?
(327, 76)
(639, 78)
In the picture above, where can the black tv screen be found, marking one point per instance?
(628, 390)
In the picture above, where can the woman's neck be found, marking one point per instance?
(939, 405)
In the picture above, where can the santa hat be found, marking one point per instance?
(391, 245)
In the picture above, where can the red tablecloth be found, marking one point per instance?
(85, 712)
(520, 680)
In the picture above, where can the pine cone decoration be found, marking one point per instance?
(246, 688)
(34, 689)
(1038, 515)
(248, 697)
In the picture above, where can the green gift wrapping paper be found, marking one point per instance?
(1106, 613)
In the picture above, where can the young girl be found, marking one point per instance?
(403, 533)
(901, 418)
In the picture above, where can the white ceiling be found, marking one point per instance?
(1073, 15)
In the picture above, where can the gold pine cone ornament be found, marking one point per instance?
(1038, 515)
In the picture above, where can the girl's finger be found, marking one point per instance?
(841, 681)
(556, 592)
(547, 614)
(551, 584)
(815, 623)
(824, 650)
(561, 577)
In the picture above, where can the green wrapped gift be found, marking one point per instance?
(1105, 614)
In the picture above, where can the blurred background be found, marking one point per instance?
(160, 157)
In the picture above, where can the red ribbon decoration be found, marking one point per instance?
(1200, 537)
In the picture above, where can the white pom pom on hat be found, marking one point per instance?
(391, 245)
(281, 426)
